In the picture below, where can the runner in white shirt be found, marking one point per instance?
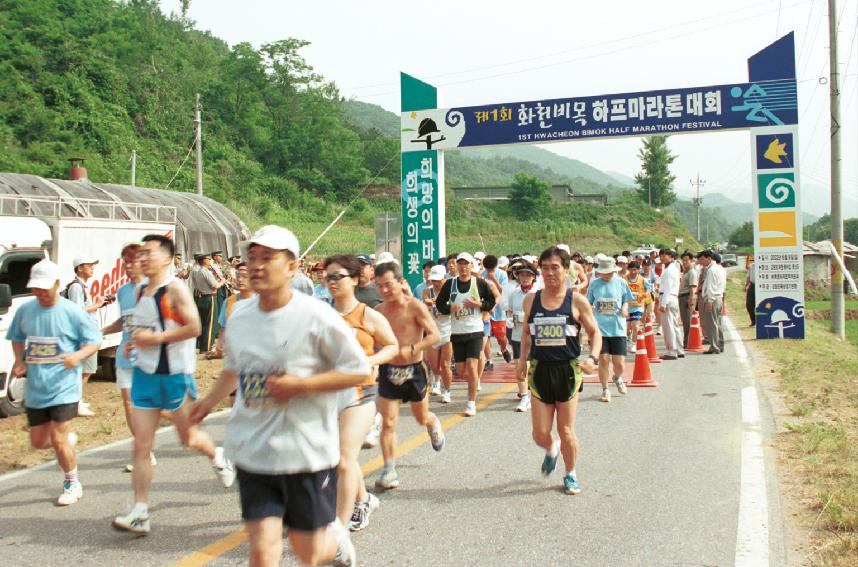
(288, 354)
(440, 356)
(526, 275)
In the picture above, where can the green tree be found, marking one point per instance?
(655, 180)
(850, 230)
(530, 196)
(743, 236)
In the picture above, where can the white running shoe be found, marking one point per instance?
(84, 411)
(223, 468)
(130, 467)
(345, 556)
(445, 397)
(471, 409)
(72, 492)
(389, 479)
(436, 435)
(132, 522)
(621, 385)
(362, 512)
(436, 388)
(606, 395)
(372, 436)
(523, 403)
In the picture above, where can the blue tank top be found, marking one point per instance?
(553, 332)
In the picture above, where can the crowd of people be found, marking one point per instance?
(317, 365)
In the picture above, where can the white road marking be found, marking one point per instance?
(752, 533)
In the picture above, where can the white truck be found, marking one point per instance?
(58, 228)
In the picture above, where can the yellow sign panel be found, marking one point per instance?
(777, 229)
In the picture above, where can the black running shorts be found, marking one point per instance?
(60, 413)
(305, 501)
(404, 383)
(615, 346)
(467, 346)
(555, 382)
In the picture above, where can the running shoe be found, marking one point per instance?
(549, 463)
(83, 410)
(606, 395)
(507, 356)
(570, 484)
(436, 435)
(152, 460)
(388, 479)
(470, 409)
(132, 522)
(445, 397)
(362, 511)
(621, 385)
(523, 404)
(436, 389)
(72, 492)
(490, 365)
(223, 468)
(372, 436)
(345, 556)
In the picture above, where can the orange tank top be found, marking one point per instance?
(365, 340)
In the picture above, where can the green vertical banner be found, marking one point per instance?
(423, 217)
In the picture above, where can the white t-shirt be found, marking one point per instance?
(303, 338)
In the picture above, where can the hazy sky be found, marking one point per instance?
(485, 51)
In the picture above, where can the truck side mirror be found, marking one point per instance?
(5, 298)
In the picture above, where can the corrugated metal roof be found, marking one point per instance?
(202, 224)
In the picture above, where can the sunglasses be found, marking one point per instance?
(336, 277)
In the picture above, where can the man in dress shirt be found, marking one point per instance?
(669, 305)
(712, 297)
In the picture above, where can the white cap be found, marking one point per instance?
(588, 259)
(530, 258)
(565, 248)
(622, 260)
(606, 265)
(466, 257)
(503, 262)
(480, 255)
(83, 260)
(475, 266)
(437, 273)
(657, 260)
(276, 237)
(44, 274)
(386, 257)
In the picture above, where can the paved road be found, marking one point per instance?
(670, 476)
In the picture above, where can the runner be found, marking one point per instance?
(289, 355)
(497, 320)
(404, 378)
(465, 298)
(165, 325)
(441, 353)
(640, 289)
(526, 275)
(51, 337)
(366, 291)
(554, 316)
(127, 298)
(354, 503)
(610, 295)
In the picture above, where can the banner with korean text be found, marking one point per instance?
(422, 201)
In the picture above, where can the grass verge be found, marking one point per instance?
(818, 453)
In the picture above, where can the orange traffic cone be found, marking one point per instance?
(695, 337)
(642, 378)
(649, 340)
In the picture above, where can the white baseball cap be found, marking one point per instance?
(622, 260)
(503, 262)
(564, 247)
(276, 237)
(480, 255)
(466, 257)
(83, 260)
(386, 257)
(437, 273)
(530, 258)
(43, 275)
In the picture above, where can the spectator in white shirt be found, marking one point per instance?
(669, 305)
(712, 297)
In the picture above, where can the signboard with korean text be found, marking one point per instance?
(766, 105)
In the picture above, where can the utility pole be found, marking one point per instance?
(838, 305)
(198, 141)
(698, 201)
(133, 168)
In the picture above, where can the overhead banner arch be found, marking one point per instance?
(766, 105)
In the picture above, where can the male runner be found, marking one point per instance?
(289, 355)
(165, 326)
(554, 317)
(610, 296)
(465, 297)
(640, 288)
(51, 337)
(404, 379)
(442, 352)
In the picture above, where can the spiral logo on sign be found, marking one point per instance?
(798, 310)
(454, 117)
(779, 189)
